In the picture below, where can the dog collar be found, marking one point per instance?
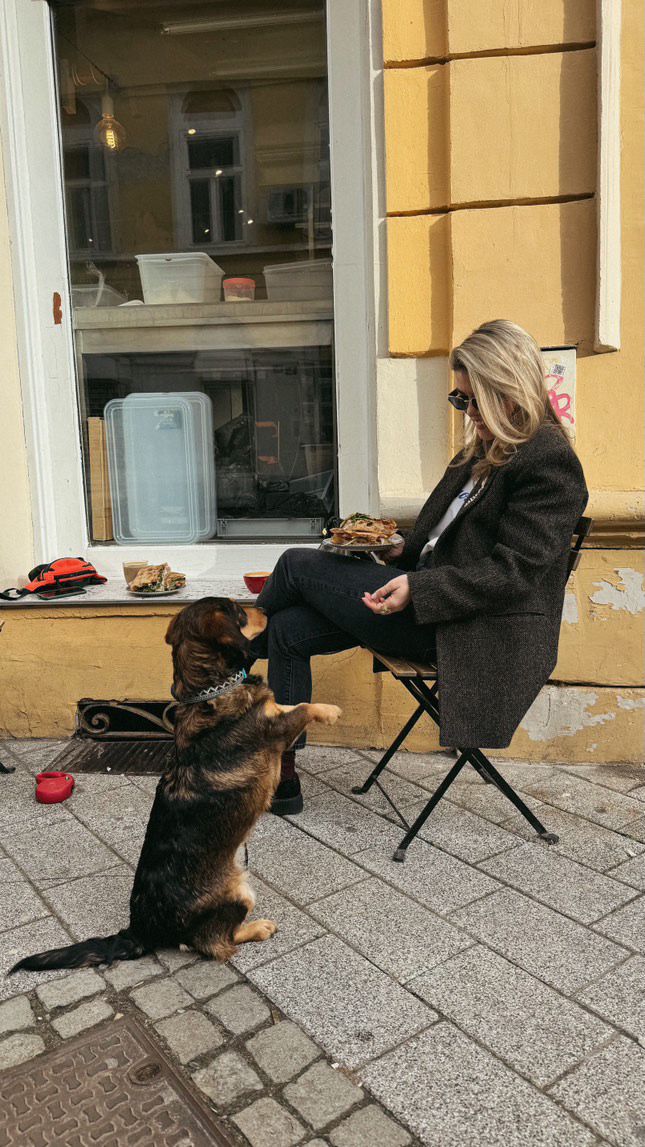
(214, 691)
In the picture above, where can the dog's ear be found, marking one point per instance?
(217, 628)
(256, 622)
(175, 631)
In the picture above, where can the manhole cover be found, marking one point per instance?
(114, 1087)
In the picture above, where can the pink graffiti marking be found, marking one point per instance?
(560, 400)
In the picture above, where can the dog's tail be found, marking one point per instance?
(99, 950)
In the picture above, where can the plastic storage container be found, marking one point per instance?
(180, 278)
(239, 290)
(161, 467)
(293, 282)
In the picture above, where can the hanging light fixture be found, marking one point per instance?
(109, 131)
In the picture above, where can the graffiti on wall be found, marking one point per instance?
(561, 381)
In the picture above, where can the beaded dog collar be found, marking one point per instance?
(214, 691)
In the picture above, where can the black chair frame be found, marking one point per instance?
(415, 679)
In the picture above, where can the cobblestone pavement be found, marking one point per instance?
(491, 990)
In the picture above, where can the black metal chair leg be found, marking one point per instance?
(387, 756)
(513, 797)
(400, 852)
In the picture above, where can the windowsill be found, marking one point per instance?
(192, 314)
(114, 592)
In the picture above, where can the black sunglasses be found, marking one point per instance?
(461, 401)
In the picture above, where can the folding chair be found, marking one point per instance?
(414, 678)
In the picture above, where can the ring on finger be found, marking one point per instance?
(385, 609)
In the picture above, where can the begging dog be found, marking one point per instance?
(229, 736)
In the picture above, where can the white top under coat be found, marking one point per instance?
(449, 516)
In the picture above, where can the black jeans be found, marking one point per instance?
(313, 601)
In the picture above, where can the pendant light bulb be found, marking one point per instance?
(109, 131)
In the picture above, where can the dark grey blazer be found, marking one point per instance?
(494, 588)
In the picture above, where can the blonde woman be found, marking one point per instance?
(478, 585)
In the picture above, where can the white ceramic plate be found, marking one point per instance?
(155, 592)
(351, 548)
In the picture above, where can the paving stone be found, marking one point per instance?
(189, 1035)
(294, 928)
(227, 1079)
(451, 1092)
(81, 1018)
(15, 1015)
(621, 777)
(369, 1127)
(24, 941)
(402, 792)
(598, 848)
(69, 848)
(319, 758)
(620, 997)
(321, 1095)
(94, 905)
(282, 1051)
(74, 987)
(206, 978)
(639, 793)
(240, 1010)
(632, 872)
(266, 1124)
(349, 1007)
(129, 848)
(9, 874)
(636, 830)
(390, 929)
(460, 832)
(319, 1143)
(20, 810)
(558, 882)
(531, 1027)
(19, 904)
(295, 864)
(600, 805)
(131, 972)
(161, 998)
(37, 750)
(627, 925)
(425, 769)
(439, 882)
(341, 823)
(486, 801)
(608, 1092)
(19, 1048)
(119, 813)
(543, 943)
(175, 958)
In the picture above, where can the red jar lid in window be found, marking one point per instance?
(239, 282)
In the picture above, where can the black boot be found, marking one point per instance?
(287, 799)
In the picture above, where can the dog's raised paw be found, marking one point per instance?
(327, 714)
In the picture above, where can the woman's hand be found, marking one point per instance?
(390, 598)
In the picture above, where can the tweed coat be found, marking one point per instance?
(494, 585)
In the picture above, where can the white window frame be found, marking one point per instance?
(33, 163)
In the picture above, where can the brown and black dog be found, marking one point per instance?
(189, 887)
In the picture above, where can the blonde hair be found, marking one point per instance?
(506, 371)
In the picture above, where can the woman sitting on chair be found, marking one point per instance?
(478, 585)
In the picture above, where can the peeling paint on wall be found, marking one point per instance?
(630, 702)
(570, 611)
(562, 713)
(628, 595)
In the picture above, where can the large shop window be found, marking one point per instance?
(195, 144)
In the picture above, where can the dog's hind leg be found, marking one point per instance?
(255, 931)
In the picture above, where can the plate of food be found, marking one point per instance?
(157, 581)
(360, 533)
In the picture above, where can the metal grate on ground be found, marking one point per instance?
(138, 758)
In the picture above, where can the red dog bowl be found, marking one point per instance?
(255, 582)
(52, 788)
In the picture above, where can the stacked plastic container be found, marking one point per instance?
(162, 468)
